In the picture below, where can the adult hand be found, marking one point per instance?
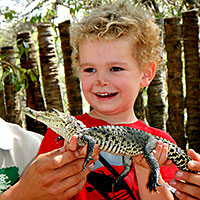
(190, 189)
(54, 175)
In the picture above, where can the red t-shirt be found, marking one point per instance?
(100, 174)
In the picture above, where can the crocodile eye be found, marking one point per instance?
(53, 111)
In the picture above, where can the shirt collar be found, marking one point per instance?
(6, 138)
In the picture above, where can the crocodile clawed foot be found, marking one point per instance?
(153, 182)
(86, 162)
(152, 187)
(90, 148)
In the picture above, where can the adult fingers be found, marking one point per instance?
(58, 175)
(73, 145)
(72, 168)
(185, 191)
(82, 151)
(184, 196)
(72, 185)
(53, 159)
(188, 177)
(193, 155)
(73, 165)
(69, 193)
(194, 165)
(76, 178)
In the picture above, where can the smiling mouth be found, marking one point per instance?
(106, 95)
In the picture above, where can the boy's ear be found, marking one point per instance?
(148, 75)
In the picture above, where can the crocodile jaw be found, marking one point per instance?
(52, 119)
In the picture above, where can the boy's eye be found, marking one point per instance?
(89, 70)
(116, 69)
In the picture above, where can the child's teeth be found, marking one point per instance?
(105, 94)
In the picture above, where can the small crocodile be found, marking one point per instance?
(118, 140)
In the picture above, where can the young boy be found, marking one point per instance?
(116, 50)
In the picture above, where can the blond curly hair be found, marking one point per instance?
(119, 20)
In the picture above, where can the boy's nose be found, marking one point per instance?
(102, 80)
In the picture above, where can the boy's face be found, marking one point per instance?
(110, 76)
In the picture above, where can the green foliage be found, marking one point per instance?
(9, 14)
(49, 7)
(38, 18)
(23, 48)
(75, 6)
(34, 19)
(17, 76)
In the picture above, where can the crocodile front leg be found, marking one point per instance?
(153, 164)
(91, 142)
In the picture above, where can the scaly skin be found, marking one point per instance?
(118, 140)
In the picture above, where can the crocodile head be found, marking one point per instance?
(59, 122)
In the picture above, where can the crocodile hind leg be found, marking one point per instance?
(153, 164)
(90, 141)
(128, 163)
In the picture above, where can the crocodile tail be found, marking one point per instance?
(178, 157)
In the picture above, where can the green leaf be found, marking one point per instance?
(33, 20)
(26, 83)
(33, 77)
